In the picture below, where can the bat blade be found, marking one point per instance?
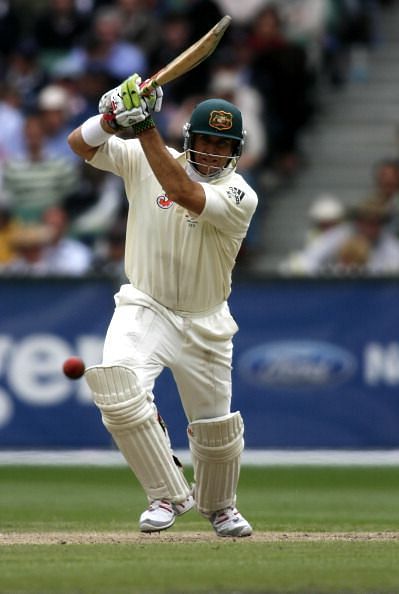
(191, 57)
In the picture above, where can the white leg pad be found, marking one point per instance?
(216, 446)
(131, 417)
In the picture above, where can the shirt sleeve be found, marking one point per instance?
(124, 158)
(117, 156)
(229, 206)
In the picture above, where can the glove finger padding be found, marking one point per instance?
(130, 92)
(128, 107)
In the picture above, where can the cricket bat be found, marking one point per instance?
(190, 58)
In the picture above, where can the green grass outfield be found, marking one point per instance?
(73, 530)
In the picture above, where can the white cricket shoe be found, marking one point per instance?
(229, 522)
(184, 506)
(161, 514)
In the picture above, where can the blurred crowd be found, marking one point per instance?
(58, 216)
(362, 239)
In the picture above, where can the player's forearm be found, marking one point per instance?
(85, 140)
(172, 177)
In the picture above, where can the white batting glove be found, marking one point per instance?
(105, 104)
(128, 107)
(153, 96)
(132, 89)
(125, 105)
(125, 118)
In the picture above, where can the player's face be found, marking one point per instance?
(211, 152)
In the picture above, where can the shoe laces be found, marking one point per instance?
(160, 503)
(226, 514)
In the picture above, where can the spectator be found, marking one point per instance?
(10, 30)
(28, 242)
(90, 85)
(7, 229)
(58, 28)
(54, 106)
(201, 16)
(386, 186)
(63, 255)
(306, 23)
(86, 7)
(44, 249)
(180, 28)
(386, 182)
(361, 36)
(242, 12)
(83, 88)
(326, 212)
(366, 234)
(281, 74)
(140, 24)
(25, 73)
(353, 256)
(95, 204)
(175, 37)
(35, 180)
(305, 19)
(106, 47)
(11, 123)
(350, 32)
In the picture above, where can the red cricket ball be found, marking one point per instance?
(73, 368)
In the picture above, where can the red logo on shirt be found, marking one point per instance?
(164, 202)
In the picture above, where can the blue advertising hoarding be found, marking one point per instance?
(316, 364)
(43, 322)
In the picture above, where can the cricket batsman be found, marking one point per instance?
(188, 215)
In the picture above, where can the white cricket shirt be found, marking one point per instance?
(183, 261)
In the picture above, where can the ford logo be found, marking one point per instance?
(296, 364)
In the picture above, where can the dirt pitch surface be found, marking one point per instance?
(66, 538)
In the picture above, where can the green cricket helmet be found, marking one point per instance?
(216, 117)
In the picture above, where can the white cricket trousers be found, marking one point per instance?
(147, 337)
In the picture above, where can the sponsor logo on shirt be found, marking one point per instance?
(236, 194)
(164, 202)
